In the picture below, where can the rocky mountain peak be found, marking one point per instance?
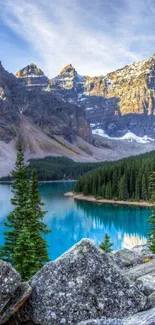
(29, 71)
(32, 77)
(69, 70)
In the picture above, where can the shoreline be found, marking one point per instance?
(40, 182)
(106, 201)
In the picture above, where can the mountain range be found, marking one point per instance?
(80, 117)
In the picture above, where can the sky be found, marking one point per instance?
(95, 36)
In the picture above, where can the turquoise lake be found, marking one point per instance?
(72, 220)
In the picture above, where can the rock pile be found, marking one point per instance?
(83, 287)
(82, 284)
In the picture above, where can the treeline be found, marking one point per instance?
(127, 179)
(57, 168)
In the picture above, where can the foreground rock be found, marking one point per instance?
(143, 318)
(13, 293)
(129, 258)
(143, 275)
(82, 284)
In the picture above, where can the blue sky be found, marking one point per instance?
(96, 36)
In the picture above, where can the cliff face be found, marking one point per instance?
(8, 118)
(27, 96)
(121, 101)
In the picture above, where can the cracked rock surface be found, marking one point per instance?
(82, 284)
(13, 293)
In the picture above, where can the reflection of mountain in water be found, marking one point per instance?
(130, 241)
(132, 220)
(72, 220)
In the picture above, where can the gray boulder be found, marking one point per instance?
(13, 293)
(144, 275)
(9, 282)
(128, 258)
(82, 284)
(152, 299)
(143, 318)
(141, 270)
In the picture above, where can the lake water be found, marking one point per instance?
(72, 220)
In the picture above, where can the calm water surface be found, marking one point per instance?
(72, 220)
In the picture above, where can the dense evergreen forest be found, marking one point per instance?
(127, 179)
(58, 168)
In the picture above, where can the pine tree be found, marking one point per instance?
(30, 252)
(37, 223)
(25, 259)
(25, 247)
(152, 186)
(106, 244)
(144, 188)
(151, 220)
(122, 188)
(15, 220)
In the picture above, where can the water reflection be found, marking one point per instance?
(72, 220)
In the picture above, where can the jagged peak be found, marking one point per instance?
(68, 69)
(29, 70)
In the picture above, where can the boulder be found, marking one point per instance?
(143, 318)
(141, 270)
(152, 299)
(128, 258)
(143, 274)
(9, 282)
(13, 293)
(82, 284)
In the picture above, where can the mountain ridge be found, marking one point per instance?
(121, 101)
(77, 112)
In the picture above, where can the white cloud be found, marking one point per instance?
(60, 32)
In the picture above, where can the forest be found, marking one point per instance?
(126, 179)
(57, 168)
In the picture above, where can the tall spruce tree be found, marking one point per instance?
(25, 259)
(151, 220)
(36, 206)
(20, 200)
(25, 247)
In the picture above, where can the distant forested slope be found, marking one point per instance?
(127, 179)
(58, 168)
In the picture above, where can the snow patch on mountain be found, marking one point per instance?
(129, 136)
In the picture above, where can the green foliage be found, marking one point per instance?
(25, 247)
(20, 200)
(151, 220)
(106, 245)
(57, 168)
(25, 257)
(126, 179)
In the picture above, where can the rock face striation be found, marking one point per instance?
(13, 293)
(32, 77)
(122, 102)
(82, 284)
(26, 96)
